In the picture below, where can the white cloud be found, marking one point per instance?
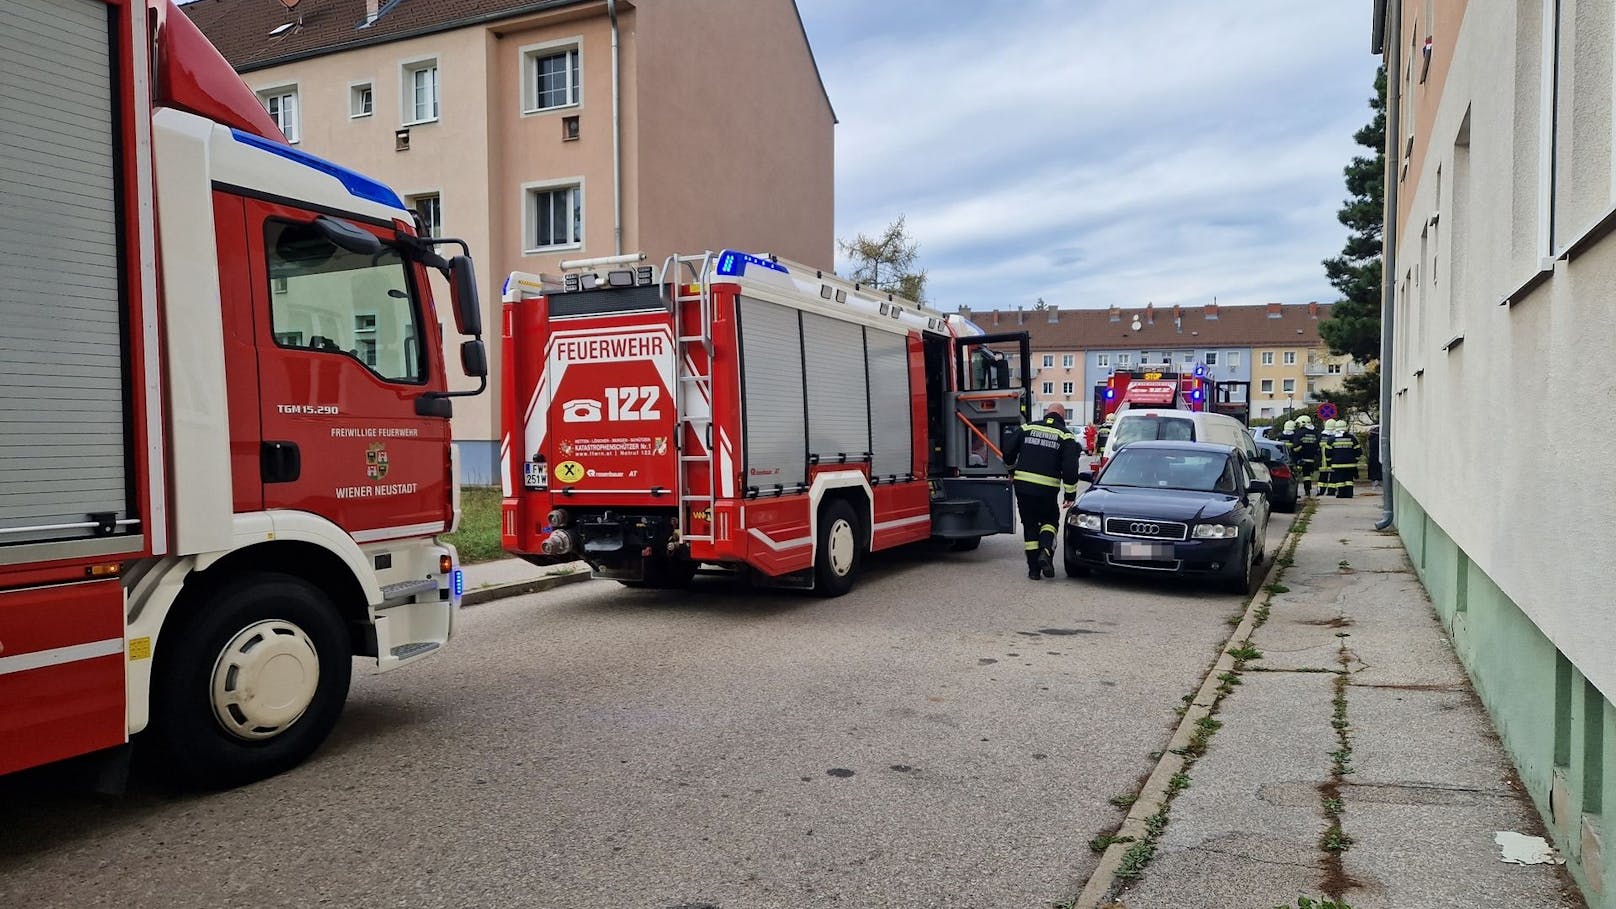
(1099, 152)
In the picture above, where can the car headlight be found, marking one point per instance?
(1085, 521)
(1216, 531)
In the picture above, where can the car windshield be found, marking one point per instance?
(1153, 429)
(1159, 468)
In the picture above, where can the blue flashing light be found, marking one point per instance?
(1110, 393)
(1200, 369)
(733, 264)
(459, 583)
(1197, 395)
(506, 287)
(358, 185)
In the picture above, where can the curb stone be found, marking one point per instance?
(1154, 795)
(522, 588)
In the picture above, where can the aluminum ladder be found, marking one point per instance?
(679, 275)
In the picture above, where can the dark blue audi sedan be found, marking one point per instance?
(1182, 508)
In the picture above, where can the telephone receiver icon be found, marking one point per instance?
(581, 410)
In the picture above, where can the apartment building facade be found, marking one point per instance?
(1273, 347)
(1501, 202)
(503, 123)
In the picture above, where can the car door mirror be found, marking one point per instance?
(1086, 476)
(1258, 486)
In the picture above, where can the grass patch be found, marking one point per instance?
(1277, 588)
(478, 539)
(1246, 651)
(1104, 841)
(1123, 801)
(1303, 902)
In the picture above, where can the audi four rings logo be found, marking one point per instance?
(1141, 527)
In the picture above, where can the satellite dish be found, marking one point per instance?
(1136, 324)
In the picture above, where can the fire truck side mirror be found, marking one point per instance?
(468, 309)
(474, 358)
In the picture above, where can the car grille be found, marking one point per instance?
(1146, 529)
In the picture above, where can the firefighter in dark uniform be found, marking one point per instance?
(1044, 457)
(1104, 432)
(1343, 455)
(1307, 453)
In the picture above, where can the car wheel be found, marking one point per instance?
(1239, 580)
(250, 682)
(840, 553)
(966, 544)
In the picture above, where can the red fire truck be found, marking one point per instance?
(224, 436)
(746, 411)
(1153, 386)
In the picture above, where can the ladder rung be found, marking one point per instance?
(695, 498)
(689, 459)
(692, 339)
(695, 377)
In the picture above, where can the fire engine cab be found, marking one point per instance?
(224, 412)
(747, 411)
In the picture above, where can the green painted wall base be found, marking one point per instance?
(1559, 730)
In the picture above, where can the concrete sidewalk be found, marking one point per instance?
(487, 581)
(1353, 761)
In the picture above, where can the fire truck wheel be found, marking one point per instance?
(966, 544)
(250, 682)
(840, 551)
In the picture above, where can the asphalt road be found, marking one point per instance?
(946, 735)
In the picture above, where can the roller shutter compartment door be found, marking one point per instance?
(62, 420)
(838, 398)
(887, 354)
(772, 395)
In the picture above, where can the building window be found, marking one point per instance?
(360, 100)
(1288, 386)
(1290, 358)
(1049, 388)
(1267, 386)
(421, 92)
(1124, 359)
(282, 106)
(1049, 361)
(1066, 389)
(1102, 360)
(1233, 358)
(1312, 386)
(429, 208)
(555, 217)
(1333, 369)
(551, 78)
(1067, 360)
(1211, 358)
(1188, 358)
(1268, 358)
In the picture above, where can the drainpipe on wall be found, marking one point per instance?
(617, 138)
(1388, 280)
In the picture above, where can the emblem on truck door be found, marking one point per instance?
(569, 471)
(376, 461)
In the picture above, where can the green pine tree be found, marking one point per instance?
(1354, 324)
(887, 261)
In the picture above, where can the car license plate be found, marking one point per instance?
(1145, 551)
(535, 475)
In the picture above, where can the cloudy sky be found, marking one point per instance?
(1093, 152)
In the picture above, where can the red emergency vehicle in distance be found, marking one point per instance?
(1153, 386)
(224, 436)
(746, 411)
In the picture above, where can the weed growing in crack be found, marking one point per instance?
(1123, 801)
(1302, 902)
(1246, 651)
(1277, 588)
(1104, 841)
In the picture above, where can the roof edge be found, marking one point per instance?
(812, 58)
(538, 6)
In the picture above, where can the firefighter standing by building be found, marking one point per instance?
(1044, 457)
(1343, 458)
(1307, 453)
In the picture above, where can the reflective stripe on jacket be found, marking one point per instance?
(1044, 453)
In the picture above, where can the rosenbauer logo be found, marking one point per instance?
(612, 349)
